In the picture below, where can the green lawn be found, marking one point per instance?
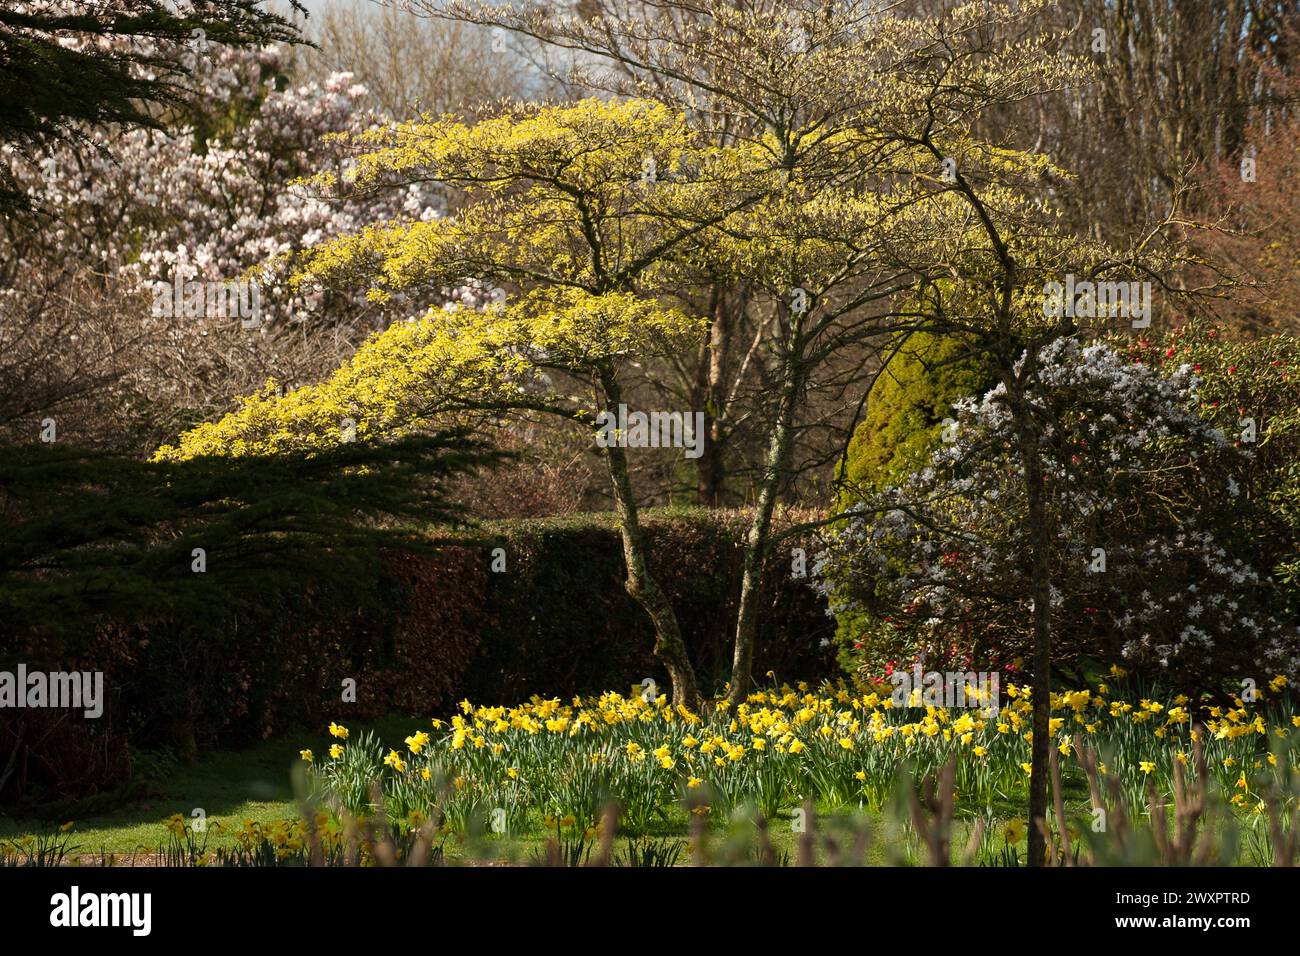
(257, 784)
(229, 786)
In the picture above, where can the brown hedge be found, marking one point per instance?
(442, 626)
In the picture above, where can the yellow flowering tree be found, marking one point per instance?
(590, 214)
(892, 212)
(880, 186)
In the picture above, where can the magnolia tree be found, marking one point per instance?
(74, 68)
(1146, 560)
(218, 196)
(186, 231)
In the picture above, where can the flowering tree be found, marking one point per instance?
(69, 68)
(215, 197)
(1250, 389)
(868, 117)
(582, 209)
(209, 203)
(1143, 496)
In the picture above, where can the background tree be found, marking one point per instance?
(409, 66)
(1254, 200)
(1176, 88)
(205, 203)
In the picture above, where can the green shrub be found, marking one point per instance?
(211, 594)
(1183, 519)
(1248, 384)
(906, 407)
(1146, 557)
(900, 429)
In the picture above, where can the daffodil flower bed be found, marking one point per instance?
(548, 764)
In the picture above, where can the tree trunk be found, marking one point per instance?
(710, 396)
(1040, 577)
(760, 528)
(640, 583)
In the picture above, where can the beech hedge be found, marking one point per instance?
(508, 610)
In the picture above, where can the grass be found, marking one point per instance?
(230, 786)
(256, 783)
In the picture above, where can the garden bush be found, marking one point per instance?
(1250, 389)
(905, 410)
(902, 425)
(208, 593)
(1152, 498)
(565, 625)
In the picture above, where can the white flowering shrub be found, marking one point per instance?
(1146, 496)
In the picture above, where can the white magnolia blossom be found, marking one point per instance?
(215, 205)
